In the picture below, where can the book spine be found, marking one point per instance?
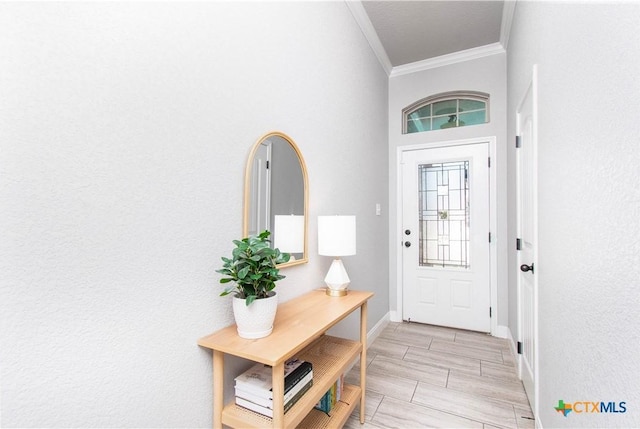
(325, 401)
(265, 411)
(258, 400)
(254, 407)
(299, 386)
(332, 396)
(297, 396)
(340, 387)
(295, 377)
(290, 381)
(266, 402)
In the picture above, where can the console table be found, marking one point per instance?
(299, 330)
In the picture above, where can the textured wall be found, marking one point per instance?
(125, 131)
(589, 202)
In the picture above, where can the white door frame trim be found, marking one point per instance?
(493, 223)
(533, 87)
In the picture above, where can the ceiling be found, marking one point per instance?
(419, 30)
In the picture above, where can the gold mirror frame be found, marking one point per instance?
(248, 198)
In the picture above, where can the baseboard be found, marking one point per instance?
(514, 351)
(504, 332)
(394, 316)
(377, 329)
(371, 336)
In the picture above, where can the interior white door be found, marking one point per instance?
(527, 240)
(446, 256)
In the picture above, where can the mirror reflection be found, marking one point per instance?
(276, 195)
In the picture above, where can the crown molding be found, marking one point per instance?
(507, 18)
(361, 17)
(448, 59)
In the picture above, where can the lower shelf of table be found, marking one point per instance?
(338, 415)
(242, 417)
(330, 357)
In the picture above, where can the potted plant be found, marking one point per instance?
(253, 271)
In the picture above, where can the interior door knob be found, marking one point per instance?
(524, 268)
(407, 244)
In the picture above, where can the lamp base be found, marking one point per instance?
(337, 279)
(336, 292)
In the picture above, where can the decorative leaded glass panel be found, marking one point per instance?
(443, 216)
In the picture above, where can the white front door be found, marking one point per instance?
(446, 258)
(527, 240)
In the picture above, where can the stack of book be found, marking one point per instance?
(333, 395)
(254, 389)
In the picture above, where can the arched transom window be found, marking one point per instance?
(446, 110)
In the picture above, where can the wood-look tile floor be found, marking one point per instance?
(424, 376)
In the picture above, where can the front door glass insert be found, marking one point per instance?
(443, 218)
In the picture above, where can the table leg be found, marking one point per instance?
(278, 395)
(363, 358)
(218, 388)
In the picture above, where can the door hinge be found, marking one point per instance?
(267, 165)
(519, 347)
(489, 312)
(489, 237)
(489, 162)
(518, 142)
(518, 244)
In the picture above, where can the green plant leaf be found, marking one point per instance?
(243, 273)
(250, 299)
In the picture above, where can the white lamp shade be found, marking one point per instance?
(336, 235)
(289, 233)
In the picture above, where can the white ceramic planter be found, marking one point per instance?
(255, 320)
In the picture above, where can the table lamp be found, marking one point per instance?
(337, 237)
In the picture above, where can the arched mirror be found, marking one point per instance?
(276, 194)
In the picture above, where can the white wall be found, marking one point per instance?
(589, 201)
(125, 131)
(488, 75)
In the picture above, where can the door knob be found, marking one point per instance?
(407, 232)
(407, 244)
(524, 268)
